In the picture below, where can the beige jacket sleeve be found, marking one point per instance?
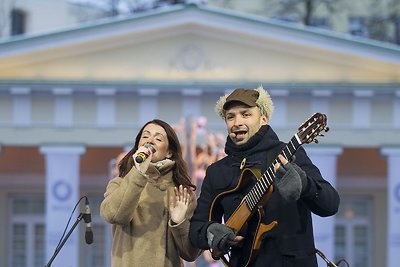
(180, 233)
(121, 197)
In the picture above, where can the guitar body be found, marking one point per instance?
(241, 216)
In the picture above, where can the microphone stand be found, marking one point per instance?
(328, 262)
(80, 217)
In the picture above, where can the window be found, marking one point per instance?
(353, 232)
(18, 22)
(27, 232)
(357, 26)
(27, 235)
(320, 23)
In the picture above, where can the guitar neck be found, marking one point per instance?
(261, 187)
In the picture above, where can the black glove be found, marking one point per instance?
(291, 180)
(220, 237)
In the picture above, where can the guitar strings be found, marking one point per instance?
(262, 185)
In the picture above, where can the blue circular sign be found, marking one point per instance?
(61, 190)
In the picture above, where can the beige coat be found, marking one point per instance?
(137, 206)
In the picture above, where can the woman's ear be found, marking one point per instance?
(169, 155)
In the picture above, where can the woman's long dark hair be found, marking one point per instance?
(180, 171)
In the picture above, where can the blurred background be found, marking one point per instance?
(79, 78)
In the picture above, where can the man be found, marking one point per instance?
(299, 189)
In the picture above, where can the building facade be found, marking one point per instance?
(71, 100)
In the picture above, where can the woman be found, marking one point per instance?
(150, 229)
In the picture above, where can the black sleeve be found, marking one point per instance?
(320, 196)
(199, 221)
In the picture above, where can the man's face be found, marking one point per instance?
(242, 122)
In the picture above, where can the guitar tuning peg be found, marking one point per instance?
(326, 129)
(321, 135)
(316, 141)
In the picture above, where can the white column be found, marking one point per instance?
(191, 106)
(148, 106)
(393, 234)
(320, 101)
(362, 109)
(63, 107)
(105, 107)
(62, 194)
(279, 97)
(325, 158)
(22, 106)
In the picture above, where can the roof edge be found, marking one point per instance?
(292, 27)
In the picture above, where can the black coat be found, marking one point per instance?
(291, 242)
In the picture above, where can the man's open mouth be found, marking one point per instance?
(240, 134)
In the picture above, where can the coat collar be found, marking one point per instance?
(159, 173)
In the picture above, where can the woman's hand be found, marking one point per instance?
(178, 204)
(144, 165)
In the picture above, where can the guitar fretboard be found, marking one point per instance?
(254, 196)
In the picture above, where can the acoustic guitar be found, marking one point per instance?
(251, 206)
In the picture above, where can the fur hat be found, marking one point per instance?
(250, 97)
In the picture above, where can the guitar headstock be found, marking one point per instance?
(312, 128)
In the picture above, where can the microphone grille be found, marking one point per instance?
(149, 146)
(89, 237)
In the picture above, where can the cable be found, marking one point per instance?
(66, 227)
(343, 260)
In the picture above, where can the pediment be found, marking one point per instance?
(192, 43)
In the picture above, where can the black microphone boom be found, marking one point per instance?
(87, 217)
(328, 262)
(142, 156)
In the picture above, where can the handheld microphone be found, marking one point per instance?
(87, 217)
(142, 156)
(232, 135)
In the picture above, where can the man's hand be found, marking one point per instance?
(291, 180)
(221, 237)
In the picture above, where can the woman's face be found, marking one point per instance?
(156, 136)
